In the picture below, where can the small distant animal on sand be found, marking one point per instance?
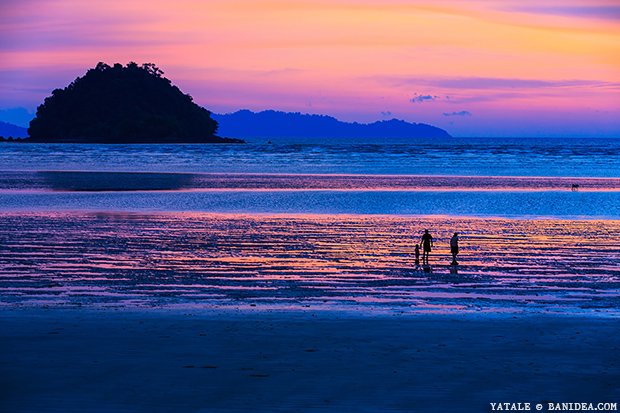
(574, 188)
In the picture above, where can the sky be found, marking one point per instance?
(472, 67)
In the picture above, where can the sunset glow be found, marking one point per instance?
(474, 68)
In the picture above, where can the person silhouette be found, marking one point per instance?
(426, 243)
(454, 247)
(417, 254)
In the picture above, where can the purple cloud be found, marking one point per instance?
(483, 83)
(423, 98)
(491, 83)
(600, 12)
(461, 113)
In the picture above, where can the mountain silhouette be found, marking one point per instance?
(9, 130)
(276, 124)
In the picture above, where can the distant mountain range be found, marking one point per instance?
(10, 130)
(275, 124)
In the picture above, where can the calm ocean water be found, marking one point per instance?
(461, 177)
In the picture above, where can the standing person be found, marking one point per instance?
(454, 247)
(417, 254)
(426, 244)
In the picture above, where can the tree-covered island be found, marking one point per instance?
(123, 104)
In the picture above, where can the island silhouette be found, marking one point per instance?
(123, 104)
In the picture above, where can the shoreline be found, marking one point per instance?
(276, 215)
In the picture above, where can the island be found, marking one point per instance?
(123, 104)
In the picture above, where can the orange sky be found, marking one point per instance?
(474, 68)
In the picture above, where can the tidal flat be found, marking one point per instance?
(358, 264)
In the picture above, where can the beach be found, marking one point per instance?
(220, 361)
(147, 312)
(309, 206)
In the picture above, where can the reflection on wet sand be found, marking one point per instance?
(365, 263)
(93, 181)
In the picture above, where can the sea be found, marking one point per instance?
(314, 225)
(476, 177)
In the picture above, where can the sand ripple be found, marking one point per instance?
(358, 263)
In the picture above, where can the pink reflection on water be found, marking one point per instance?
(245, 259)
(71, 181)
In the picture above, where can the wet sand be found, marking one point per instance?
(83, 181)
(214, 360)
(327, 263)
(214, 312)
